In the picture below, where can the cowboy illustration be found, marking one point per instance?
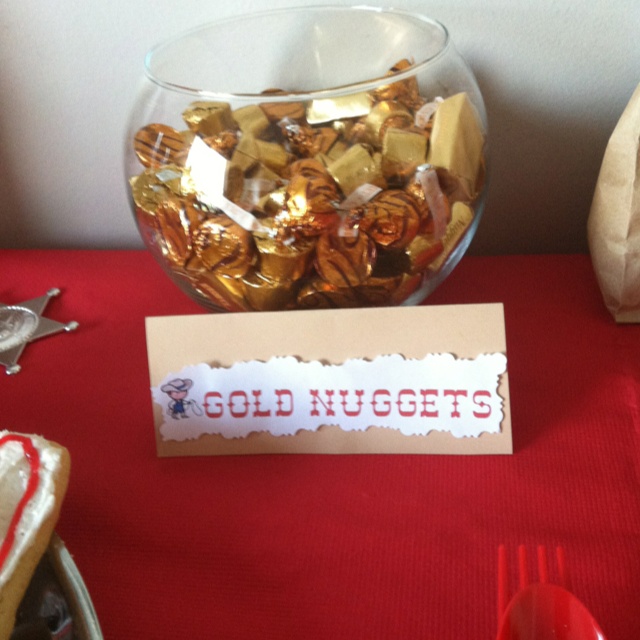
(178, 390)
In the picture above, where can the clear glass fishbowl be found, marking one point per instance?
(320, 157)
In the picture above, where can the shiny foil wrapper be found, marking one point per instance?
(277, 111)
(209, 118)
(345, 261)
(157, 144)
(306, 141)
(456, 147)
(461, 219)
(403, 151)
(224, 246)
(354, 168)
(385, 115)
(267, 294)
(226, 292)
(280, 260)
(148, 191)
(391, 219)
(176, 219)
(318, 294)
(224, 142)
(252, 120)
(311, 204)
(330, 109)
(404, 91)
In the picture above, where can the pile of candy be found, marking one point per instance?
(281, 204)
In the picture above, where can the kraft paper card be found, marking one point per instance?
(410, 380)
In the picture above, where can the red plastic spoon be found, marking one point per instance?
(542, 610)
(548, 612)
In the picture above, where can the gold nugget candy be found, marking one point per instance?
(311, 204)
(258, 183)
(224, 246)
(175, 178)
(158, 144)
(226, 292)
(461, 218)
(224, 142)
(457, 144)
(272, 203)
(306, 141)
(252, 120)
(147, 191)
(246, 153)
(338, 149)
(404, 91)
(378, 292)
(345, 261)
(233, 182)
(330, 109)
(354, 168)
(265, 294)
(391, 219)
(318, 294)
(272, 155)
(402, 153)
(277, 111)
(308, 167)
(209, 118)
(176, 219)
(384, 115)
(280, 260)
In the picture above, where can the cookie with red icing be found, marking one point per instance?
(34, 473)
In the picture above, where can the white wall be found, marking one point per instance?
(555, 74)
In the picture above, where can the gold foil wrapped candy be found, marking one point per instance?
(456, 146)
(391, 219)
(327, 110)
(224, 246)
(402, 153)
(227, 292)
(404, 91)
(177, 218)
(284, 261)
(318, 294)
(354, 168)
(209, 118)
(345, 261)
(311, 204)
(461, 218)
(252, 120)
(267, 294)
(276, 111)
(158, 144)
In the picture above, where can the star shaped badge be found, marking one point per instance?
(23, 323)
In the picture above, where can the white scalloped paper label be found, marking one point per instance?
(286, 395)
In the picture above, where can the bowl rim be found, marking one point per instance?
(331, 92)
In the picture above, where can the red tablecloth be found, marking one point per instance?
(333, 547)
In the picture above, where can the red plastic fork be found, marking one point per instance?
(541, 610)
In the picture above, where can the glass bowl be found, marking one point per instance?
(308, 158)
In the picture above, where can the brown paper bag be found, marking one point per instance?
(613, 227)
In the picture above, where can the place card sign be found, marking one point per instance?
(398, 380)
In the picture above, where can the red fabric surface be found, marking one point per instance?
(334, 546)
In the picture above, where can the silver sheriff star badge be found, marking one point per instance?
(23, 323)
